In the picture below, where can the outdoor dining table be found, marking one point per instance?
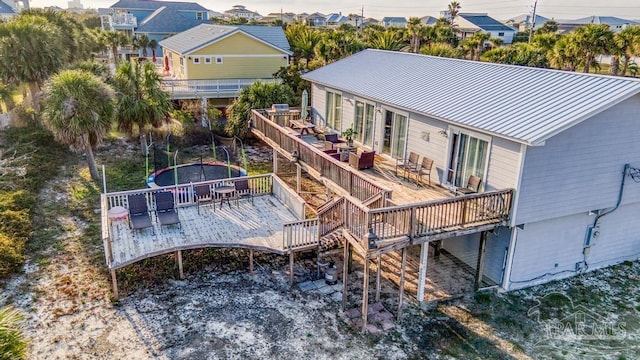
(225, 193)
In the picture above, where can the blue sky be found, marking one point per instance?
(500, 9)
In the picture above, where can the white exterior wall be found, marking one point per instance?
(580, 169)
(507, 37)
(553, 247)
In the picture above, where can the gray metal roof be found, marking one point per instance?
(152, 5)
(201, 35)
(486, 22)
(166, 20)
(525, 104)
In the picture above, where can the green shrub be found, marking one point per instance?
(13, 344)
(11, 256)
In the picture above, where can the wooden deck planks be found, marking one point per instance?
(257, 226)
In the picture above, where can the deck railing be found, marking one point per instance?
(300, 235)
(208, 87)
(331, 216)
(287, 196)
(339, 173)
(422, 219)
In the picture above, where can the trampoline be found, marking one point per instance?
(194, 172)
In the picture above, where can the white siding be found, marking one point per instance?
(424, 139)
(465, 248)
(318, 102)
(553, 247)
(580, 169)
(504, 165)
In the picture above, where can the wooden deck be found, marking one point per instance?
(257, 226)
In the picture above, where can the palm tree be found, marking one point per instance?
(79, 109)
(141, 101)
(626, 45)
(479, 39)
(453, 9)
(6, 96)
(416, 31)
(441, 49)
(386, 40)
(30, 51)
(141, 41)
(258, 95)
(592, 40)
(303, 40)
(13, 343)
(495, 42)
(116, 39)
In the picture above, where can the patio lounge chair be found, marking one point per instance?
(139, 217)
(331, 140)
(166, 211)
(363, 160)
(473, 186)
(202, 195)
(425, 168)
(242, 191)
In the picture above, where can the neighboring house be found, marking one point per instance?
(523, 22)
(399, 22)
(156, 19)
(429, 20)
(616, 24)
(240, 11)
(471, 23)
(335, 20)
(286, 18)
(560, 139)
(6, 11)
(316, 20)
(235, 54)
(370, 21)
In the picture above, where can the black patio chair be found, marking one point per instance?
(139, 216)
(203, 195)
(166, 211)
(242, 190)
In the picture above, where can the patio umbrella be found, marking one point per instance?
(305, 103)
(166, 63)
(153, 51)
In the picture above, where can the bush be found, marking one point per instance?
(11, 258)
(13, 344)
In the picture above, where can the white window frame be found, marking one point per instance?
(196, 60)
(199, 15)
(207, 60)
(337, 110)
(219, 60)
(456, 130)
(361, 132)
(396, 112)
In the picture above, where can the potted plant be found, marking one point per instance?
(348, 135)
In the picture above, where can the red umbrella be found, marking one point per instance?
(166, 63)
(153, 51)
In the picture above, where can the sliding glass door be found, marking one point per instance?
(334, 111)
(394, 134)
(468, 157)
(363, 123)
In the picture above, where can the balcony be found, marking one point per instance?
(208, 88)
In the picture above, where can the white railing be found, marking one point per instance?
(288, 197)
(208, 87)
(123, 20)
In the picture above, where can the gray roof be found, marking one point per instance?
(166, 20)
(526, 18)
(394, 19)
(6, 9)
(486, 23)
(153, 5)
(429, 20)
(609, 20)
(524, 104)
(205, 34)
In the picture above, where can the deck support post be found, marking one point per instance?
(438, 248)
(251, 261)
(365, 294)
(345, 272)
(275, 161)
(114, 282)
(180, 268)
(480, 265)
(298, 178)
(422, 276)
(350, 260)
(291, 268)
(402, 272)
(378, 274)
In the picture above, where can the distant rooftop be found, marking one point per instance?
(153, 5)
(485, 22)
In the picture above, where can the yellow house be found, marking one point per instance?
(214, 52)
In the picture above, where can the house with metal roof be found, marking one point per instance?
(216, 61)
(6, 11)
(388, 22)
(156, 19)
(471, 23)
(616, 24)
(566, 142)
(524, 22)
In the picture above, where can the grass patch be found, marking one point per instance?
(12, 341)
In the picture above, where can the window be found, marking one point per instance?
(196, 60)
(334, 111)
(363, 123)
(207, 60)
(181, 61)
(218, 59)
(468, 157)
(199, 16)
(395, 134)
(500, 34)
